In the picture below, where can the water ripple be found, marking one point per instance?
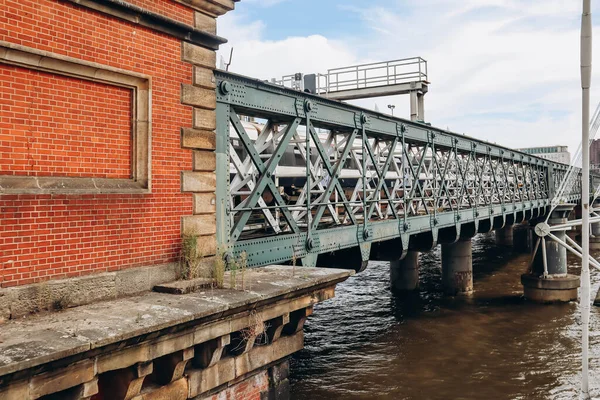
(367, 344)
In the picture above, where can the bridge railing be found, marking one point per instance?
(299, 175)
(377, 74)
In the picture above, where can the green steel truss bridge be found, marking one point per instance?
(301, 177)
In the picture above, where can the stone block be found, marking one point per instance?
(171, 344)
(275, 327)
(204, 203)
(205, 119)
(88, 389)
(198, 181)
(280, 391)
(61, 379)
(198, 97)
(212, 331)
(132, 280)
(198, 139)
(203, 380)
(29, 299)
(279, 372)
(207, 245)
(84, 290)
(16, 391)
(143, 369)
(199, 225)
(5, 302)
(163, 273)
(197, 55)
(263, 355)
(205, 78)
(122, 359)
(171, 367)
(184, 287)
(60, 294)
(210, 353)
(206, 265)
(205, 23)
(205, 161)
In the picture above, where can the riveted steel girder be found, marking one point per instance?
(313, 176)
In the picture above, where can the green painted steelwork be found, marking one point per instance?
(406, 178)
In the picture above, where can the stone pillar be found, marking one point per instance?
(457, 267)
(556, 285)
(521, 238)
(595, 238)
(404, 274)
(596, 229)
(504, 236)
(279, 384)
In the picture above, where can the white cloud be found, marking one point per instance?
(506, 71)
(265, 59)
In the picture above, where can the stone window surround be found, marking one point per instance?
(141, 87)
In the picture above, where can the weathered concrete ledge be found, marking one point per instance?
(198, 341)
(185, 287)
(19, 301)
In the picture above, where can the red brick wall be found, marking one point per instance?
(53, 236)
(60, 126)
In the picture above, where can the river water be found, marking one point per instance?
(367, 344)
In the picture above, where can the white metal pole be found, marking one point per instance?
(586, 78)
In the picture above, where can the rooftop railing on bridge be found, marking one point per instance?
(306, 176)
(376, 74)
(364, 76)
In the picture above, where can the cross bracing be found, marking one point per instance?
(309, 176)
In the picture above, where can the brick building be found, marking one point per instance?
(94, 97)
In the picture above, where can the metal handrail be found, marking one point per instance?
(362, 76)
(377, 74)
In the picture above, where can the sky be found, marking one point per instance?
(505, 71)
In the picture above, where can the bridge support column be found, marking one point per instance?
(556, 285)
(414, 106)
(404, 274)
(457, 267)
(421, 105)
(417, 105)
(504, 236)
(522, 238)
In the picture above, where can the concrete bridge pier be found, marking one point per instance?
(504, 236)
(556, 285)
(595, 231)
(404, 273)
(457, 268)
